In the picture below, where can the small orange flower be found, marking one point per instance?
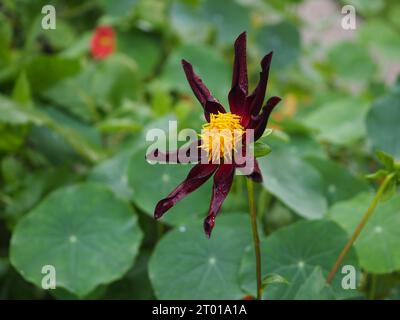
(103, 42)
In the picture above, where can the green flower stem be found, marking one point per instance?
(359, 227)
(256, 239)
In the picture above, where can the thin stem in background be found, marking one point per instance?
(256, 238)
(359, 227)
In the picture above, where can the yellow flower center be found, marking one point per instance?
(220, 136)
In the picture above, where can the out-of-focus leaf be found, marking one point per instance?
(144, 48)
(45, 71)
(188, 265)
(21, 91)
(383, 124)
(12, 113)
(194, 21)
(283, 39)
(378, 34)
(207, 62)
(61, 37)
(366, 7)
(64, 137)
(351, 61)
(377, 246)
(293, 252)
(88, 228)
(340, 122)
(118, 9)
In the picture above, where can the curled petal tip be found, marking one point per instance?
(161, 207)
(209, 223)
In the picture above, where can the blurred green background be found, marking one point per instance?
(77, 194)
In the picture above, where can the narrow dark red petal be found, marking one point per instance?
(191, 152)
(201, 91)
(239, 76)
(199, 174)
(238, 92)
(223, 179)
(259, 123)
(256, 99)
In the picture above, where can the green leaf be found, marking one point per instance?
(339, 184)
(339, 122)
(187, 265)
(208, 63)
(377, 246)
(78, 230)
(64, 137)
(283, 39)
(144, 48)
(383, 124)
(113, 172)
(229, 20)
(315, 287)
(150, 183)
(194, 22)
(386, 159)
(12, 113)
(261, 149)
(21, 91)
(295, 182)
(273, 278)
(118, 9)
(294, 252)
(39, 75)
(380, 36)
(351, 61)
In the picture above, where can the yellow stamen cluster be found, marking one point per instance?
(220, 136)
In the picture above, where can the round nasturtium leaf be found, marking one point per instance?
(295, 182)
(152, 182)
(383, 127)
(293, 252)
(84, 231)
(188, 265)
(379, 242)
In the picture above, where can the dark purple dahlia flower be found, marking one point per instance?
(246, 112)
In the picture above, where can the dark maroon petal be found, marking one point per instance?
(239, 77)
(213, 107)
(237, 100)
(199, 174)
(259, 123)
(256, 99)
(192, 154)
(201, 92)
(223, 179)
(239, 90)
(256, 175)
